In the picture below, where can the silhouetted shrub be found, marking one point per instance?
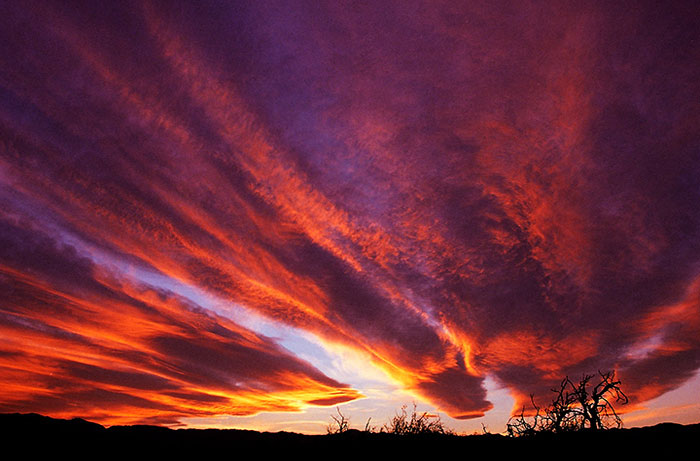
(403, 423)
(415, 423)
(339, 425)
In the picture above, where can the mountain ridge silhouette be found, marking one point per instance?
(77, 437)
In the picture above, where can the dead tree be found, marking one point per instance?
(562, 415)
(597, 406)
(524, 426)
(576, 406)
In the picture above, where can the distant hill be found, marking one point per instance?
(34, 434)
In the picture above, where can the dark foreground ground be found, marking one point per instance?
(33, 436)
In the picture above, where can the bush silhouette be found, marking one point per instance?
(403, 423)
(339, 425)
(415, 423)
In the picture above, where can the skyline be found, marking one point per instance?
(246, 214)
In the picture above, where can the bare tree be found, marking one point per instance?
(576, 406)
(597, 406)
(521, 425)
(562, 415)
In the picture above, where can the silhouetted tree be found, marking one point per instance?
(597, 406)
(576, 406)
(521, 425)
(562, 414)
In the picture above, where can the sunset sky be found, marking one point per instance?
(247, 214)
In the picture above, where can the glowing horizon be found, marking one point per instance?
(251, 213)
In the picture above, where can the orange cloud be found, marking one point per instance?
(119, 353)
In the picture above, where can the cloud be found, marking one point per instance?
(77, 342)
(455, 191)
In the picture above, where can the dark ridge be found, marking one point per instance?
(34, 434)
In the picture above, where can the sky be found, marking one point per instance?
(251, 214)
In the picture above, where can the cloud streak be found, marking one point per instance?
(77, 341)
(495, 190)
